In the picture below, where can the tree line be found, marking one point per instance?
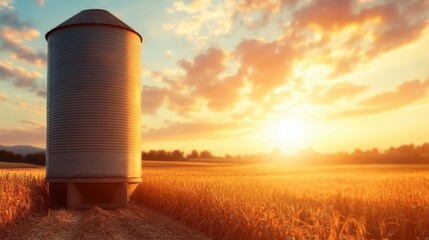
(175, 155)
(37, 158)
(404, 154)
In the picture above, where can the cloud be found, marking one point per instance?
(267, 65)
(204, 19)
(168, 53)
(329, 15)
(12, 19)
(31, 108)
(202, 78)
(350, 33)
(265, 5)
(404, 94)
(340, 36)
(265, 8)
(13, 33)
(22, 52)
(33, 123)
(41, 91)
(264, 65)
(3, 97)
(204, 75)
(223, 94)
(193, 7)
(193, 131)
(17, 36)
(338, 91)
(204, 68)
(35, 136)
(6, 4)
(181, 103)
(152, 99)
(19, 76)
(40, 2)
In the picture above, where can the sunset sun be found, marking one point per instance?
(286, 134)
(289, 130)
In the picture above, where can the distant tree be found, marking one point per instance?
(357, 151)
(162, 155)
(7, 156)
(375, 151)
(406, 149)
(206, 154)
(423, 150)
(194, 154)
(38, 158)
(177, 155)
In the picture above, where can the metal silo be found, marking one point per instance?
(93, 111)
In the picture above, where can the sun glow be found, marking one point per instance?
(286, 134)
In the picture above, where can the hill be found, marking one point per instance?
(22, 149)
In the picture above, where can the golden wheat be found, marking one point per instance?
(275, 202)
(266, 201)
(21, 193)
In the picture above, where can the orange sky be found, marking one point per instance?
(245, 76)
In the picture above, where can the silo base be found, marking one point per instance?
(84, 193)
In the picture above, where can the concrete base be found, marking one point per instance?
(85, 193)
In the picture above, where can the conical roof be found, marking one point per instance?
(93, 17)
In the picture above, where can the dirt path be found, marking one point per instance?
(96, 223)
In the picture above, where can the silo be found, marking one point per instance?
(93, 111)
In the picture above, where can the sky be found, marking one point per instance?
(244, 76)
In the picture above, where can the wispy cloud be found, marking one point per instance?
(19, 76)
(16, 136)
(152, 99)
(12, 19)
(205, 19)
(193, 131)
(403, 95)
(343, 90)
(13, 33)
(341, 36)
(40, 2)
(3, 97)
(6, 4)
(42, 91)
(33, 123)
(31, 108)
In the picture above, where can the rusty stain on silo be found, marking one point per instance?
(93, 111)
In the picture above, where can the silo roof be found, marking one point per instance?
(94, 17)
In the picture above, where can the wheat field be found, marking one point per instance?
(271, 201)
(22, 193)
(264, 201)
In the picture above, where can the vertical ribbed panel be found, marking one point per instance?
(93, 103)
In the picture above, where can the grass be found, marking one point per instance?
(21, 194)
(280, 202)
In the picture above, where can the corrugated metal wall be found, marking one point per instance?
(93, 103)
